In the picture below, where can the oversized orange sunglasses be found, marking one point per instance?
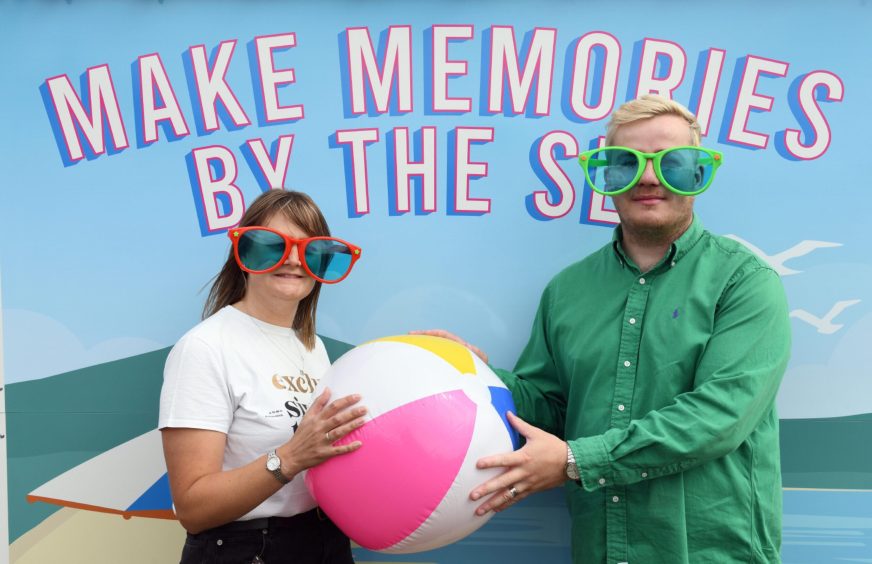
(259, 250)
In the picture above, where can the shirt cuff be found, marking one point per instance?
(593, 462)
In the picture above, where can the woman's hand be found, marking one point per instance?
(323, 425)
(206, 496)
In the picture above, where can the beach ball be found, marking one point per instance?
(434, 410)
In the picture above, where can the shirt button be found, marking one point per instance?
(627, 363)
(219, 542)
(602, 481)
(621, 407)
(632, 321)
(644, 474)
(616, 499)
(672, 263)
(641, 280)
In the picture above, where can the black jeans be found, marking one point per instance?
(308, 538)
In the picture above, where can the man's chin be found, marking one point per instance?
(654, 226)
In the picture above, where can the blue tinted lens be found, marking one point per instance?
(328, 259)
(260, 250)
(612, 170)
(686, 170)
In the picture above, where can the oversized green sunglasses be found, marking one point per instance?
(687, 171)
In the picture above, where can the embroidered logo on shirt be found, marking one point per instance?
(675, 314)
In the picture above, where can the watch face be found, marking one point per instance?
(273, 463)
(572, 471)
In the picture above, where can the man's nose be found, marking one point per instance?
(648, 175)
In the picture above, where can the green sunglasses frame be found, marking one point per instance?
(715, 158)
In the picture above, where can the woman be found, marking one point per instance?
(237, 414)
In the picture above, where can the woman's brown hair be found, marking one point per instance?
(230, 283)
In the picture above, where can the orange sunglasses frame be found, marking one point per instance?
(236, 233)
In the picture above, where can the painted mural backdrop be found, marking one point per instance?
(440, 137)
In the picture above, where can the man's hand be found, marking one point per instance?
(539, 465)
(452, 337)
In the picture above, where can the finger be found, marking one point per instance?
(320, 402)
(340, 405)
(513, 495)
(438, 333)
(345, 449)
(477, 352)
(506, 460)
(502, 482)
(341, 431)
(451, 336)
(497, 502)
(338, 421)
(520, 425)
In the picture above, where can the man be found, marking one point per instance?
(658, 359)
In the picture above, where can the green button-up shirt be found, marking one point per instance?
(664, 384)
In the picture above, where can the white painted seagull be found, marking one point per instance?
(777, 261)
(824, 324)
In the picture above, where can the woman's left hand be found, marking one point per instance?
(324, 424)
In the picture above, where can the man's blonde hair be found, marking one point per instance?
(648, 106)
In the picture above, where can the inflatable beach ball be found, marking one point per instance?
(434, 410)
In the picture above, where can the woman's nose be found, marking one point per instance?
(294, 256)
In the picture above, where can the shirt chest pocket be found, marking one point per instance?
(669, 353)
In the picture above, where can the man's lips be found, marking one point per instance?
(648, 198)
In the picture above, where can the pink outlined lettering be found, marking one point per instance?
(357, 140)
(747, 99)
(652, 49)
(405, 168)
(821, 134)
(210, 186)
(559, 178)
(271, 78)
(212, 85)
(466, 169)
(443, 67)
(153, 77)
(538, 68)
(275, 172)
(581, 70)
(709, 89)
(362, 64)
(72, 116)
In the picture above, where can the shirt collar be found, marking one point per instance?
(680, 247)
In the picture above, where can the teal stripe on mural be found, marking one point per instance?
(57, 423)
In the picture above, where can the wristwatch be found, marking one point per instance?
(274, 465)
(571, 467)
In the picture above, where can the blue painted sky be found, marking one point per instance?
(105, 259)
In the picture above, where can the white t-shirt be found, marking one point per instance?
(250, 380)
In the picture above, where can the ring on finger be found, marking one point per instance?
(513, 492)
(329, 439)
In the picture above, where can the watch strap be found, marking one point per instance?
(274, 466)
(571, 466)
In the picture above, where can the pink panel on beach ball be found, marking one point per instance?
(408, 462)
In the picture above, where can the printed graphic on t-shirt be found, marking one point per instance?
(299, 387)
